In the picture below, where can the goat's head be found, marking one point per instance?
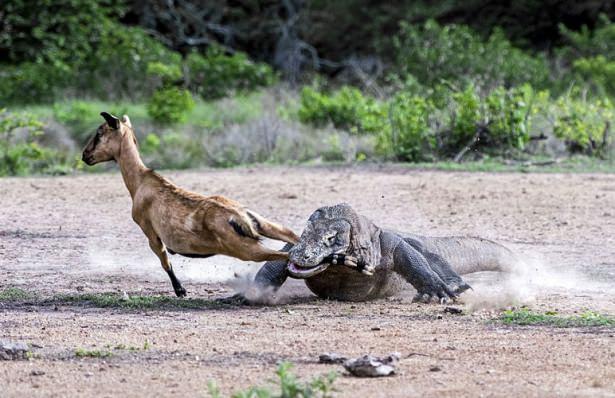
(105, 144)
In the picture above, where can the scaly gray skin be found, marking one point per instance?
(344, 256)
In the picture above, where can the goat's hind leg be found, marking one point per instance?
(158, 247)
(272, 230)
(252, 250)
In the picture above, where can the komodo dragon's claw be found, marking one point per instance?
(342, 259)
(351, 262)
(442, 297)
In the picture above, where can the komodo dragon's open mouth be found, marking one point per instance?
(303, 272)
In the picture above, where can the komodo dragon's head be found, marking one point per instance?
(333, 230)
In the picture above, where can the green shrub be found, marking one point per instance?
(584, 124)
(118, 67)
(589, 43)
(415, 128)
(433, 53)
(55, 31)
(599, 72)
(508, 115)
(170, 105)
(408, 135)
(216, 74)
(289, 386)
(466, 117)
(150, 145)
(346, 109)
(31, 82)
(20, 154)
(498, 122)
(167, 73)
(75, 47)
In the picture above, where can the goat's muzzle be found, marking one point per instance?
(87, 159)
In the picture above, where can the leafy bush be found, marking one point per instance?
(466, 118)
(346, 109)
(415, 128)
(433, 53)
(589, 43)
(407, 136)
(74, 46)
(119, 65)
(31, 82)
(499, 121)
(20, 154)
(170, 105)
(584, 124)
(150, 145)
(55, 31)
(166, 73)
(216, 74)
(508, 115)
(599, 72)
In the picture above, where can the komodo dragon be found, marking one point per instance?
(337, 242)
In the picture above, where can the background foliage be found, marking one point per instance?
(221, 83)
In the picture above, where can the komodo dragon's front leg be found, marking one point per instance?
(441, 266)
(416, 269)
(273, 274)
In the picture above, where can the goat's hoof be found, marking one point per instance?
(181, 292)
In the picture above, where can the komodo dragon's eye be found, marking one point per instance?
(329, 238)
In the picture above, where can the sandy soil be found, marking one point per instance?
(75, 235)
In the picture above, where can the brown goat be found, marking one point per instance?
(176, 220)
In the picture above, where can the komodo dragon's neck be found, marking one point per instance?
(132, 167)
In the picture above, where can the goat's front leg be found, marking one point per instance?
(158, 247)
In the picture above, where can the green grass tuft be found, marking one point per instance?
(573, 164)
(131, 348)
(288, 385)
(114, 300)
(15, 294)
(525, 317)
(83, 353)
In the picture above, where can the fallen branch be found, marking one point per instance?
(468, 147)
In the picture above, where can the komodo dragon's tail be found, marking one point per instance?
(469, 254)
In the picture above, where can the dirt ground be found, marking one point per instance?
(74, 235)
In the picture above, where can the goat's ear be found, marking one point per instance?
(112, 121)
(126, 121)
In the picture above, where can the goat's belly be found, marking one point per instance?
(185, 243)
(345, 284)
(181, 233)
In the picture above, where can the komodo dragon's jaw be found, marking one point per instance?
(299, 272)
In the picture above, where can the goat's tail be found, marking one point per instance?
(243, 224)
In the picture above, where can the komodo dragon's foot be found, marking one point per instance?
(443, 296)
(462, 288)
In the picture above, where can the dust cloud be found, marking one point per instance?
(254, 293)
(531, 276)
